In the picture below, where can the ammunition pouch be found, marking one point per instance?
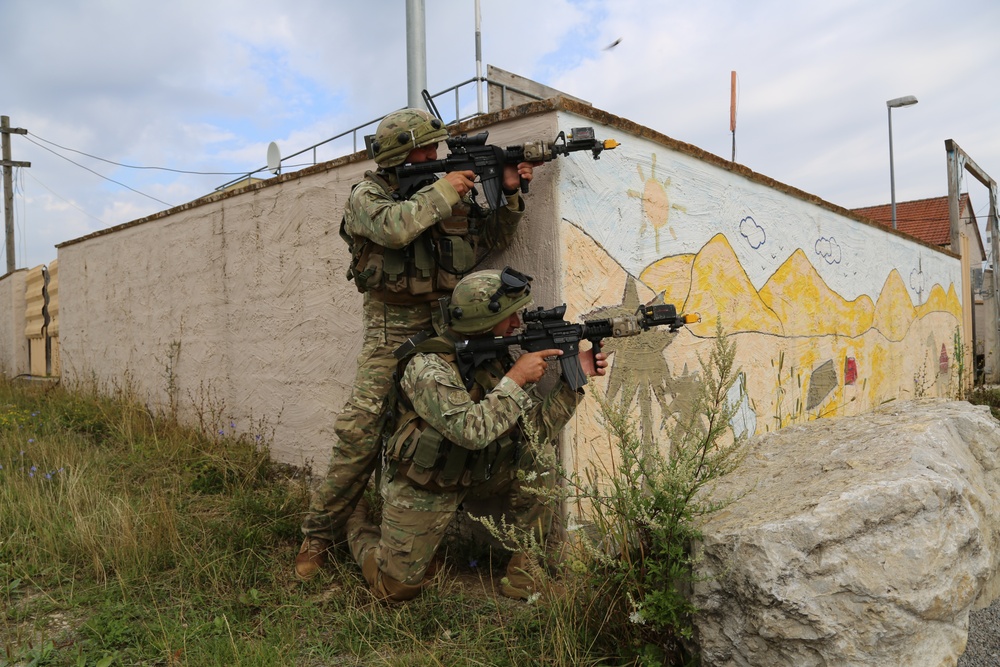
(421, 453)
(422, 271)
(438, 465)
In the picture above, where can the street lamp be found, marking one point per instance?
(891, 104)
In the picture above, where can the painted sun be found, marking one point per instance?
(656, 203)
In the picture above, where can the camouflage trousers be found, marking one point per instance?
(357, 450)
(415, 518)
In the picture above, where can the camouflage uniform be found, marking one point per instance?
(395, 308)
(420, 503)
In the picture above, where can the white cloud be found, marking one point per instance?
(206, 86)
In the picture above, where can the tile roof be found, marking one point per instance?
(925, 219)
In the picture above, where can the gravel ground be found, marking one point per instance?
(983, 649)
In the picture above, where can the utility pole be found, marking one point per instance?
(8, 185)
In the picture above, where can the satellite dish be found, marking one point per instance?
(273, 158)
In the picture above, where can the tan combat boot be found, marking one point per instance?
(524, 578)
(312, 556)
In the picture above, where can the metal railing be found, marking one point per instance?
(353, 132)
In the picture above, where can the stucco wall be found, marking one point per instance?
(238, 307)
(13, 343)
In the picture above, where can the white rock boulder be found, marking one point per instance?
(856, 541)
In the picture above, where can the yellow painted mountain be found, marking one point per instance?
(940, 301)
(806, 306)
(795, 301)
(720, 287)
(670, 275)
(894, 311)
(954, 303)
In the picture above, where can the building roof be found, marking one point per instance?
(925, 219)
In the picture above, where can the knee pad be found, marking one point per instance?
(385, 587)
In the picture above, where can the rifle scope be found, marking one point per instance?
(541, 315)
(463, 140)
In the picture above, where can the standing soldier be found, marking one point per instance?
(405, 254)
(454, 444)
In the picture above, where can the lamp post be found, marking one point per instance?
(892, 104)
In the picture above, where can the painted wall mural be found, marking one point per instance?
(830, 316)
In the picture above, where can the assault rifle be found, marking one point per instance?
(487, 161)
(546, 329)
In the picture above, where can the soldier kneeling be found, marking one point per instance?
(453, 444)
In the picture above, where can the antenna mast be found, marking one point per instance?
(732, 109)
(479, 60)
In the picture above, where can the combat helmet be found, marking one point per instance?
(402, 131)
(483, 299)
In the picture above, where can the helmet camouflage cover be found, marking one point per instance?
(483, 299)
(402, 131)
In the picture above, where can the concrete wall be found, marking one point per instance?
(236, 309)
(13, 343)
(236, 306)
(987, 343)
(831, 316)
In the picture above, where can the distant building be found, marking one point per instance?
(928, 220)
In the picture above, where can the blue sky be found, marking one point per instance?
(205, 86)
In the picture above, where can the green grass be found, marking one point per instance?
(126, 539)
(990, 396)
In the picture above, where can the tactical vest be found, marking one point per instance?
(424, 270)
(420, 452)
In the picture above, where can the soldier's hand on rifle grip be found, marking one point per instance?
(462, 181)
(531, 366)
(593, 364)
(519, 176)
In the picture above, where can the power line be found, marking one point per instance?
(100, 175)
(60, 197)
(131, 166)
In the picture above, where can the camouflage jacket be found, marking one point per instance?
(417, 249)
(450, 438)
(438, 395)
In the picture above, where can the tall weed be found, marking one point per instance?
(626, 575)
